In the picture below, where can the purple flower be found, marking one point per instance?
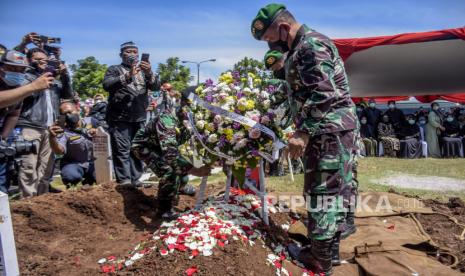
(236, 74)
(271, 115)
(239, 95)
(222, 141)
(270, 89)
(208, 83)
(209, 98)
(236, 125)
(254, 152)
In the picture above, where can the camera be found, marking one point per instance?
(18, 147)
(48, 40)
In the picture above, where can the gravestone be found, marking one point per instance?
(8, 258)
(102, 154)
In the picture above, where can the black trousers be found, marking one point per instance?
(128, 168)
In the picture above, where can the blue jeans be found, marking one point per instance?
(73, 173)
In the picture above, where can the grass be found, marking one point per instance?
(370, 172)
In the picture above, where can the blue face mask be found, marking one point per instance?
(14, 78)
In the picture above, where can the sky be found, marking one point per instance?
(200, 30)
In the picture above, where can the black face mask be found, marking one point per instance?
(279, 46)
(72, 120)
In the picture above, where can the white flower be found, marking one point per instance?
(266, 103)
(200, 124)
(247, 90)
(198, 116)
(213, 138)
(218, 120)
(256, 91)
(242, 143)
(264, 95)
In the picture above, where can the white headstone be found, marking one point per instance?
(102, 153)
(8, 259)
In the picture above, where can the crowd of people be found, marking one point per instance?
(44, 123)
(435, 133)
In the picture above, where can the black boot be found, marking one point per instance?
(335, 257)
(316, 257)
(350, 226)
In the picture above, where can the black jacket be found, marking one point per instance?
(34, 110)
(99, 111)
(128, 100)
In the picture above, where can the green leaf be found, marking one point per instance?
(239, 175)
(252, 162)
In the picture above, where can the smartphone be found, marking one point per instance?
(62, 121)
(145, 57)
(43, 39)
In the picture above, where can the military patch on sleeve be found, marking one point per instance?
(74, 138)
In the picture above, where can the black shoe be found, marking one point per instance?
(169, 215)
(335, 257)
(54, 190)
(188, 190)
(350, 226)
(294, 251)
(140, 184)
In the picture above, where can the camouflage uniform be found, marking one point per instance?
(157, 145)
(316, 74)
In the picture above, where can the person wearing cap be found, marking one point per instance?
(73, 142)
(157, 145)
(13, 89)
(128, 85)
(373, 116)
(99, 110)
(39, 111)
(326, 129)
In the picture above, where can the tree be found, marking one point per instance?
(178, 75)
(88, 77)
(250, 65)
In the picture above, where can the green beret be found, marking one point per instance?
(265, 18)
(271, 57)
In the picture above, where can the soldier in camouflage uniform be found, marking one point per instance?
(156, 145)
(326, 125)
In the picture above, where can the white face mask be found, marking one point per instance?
(363, 121)
(422, 122)
(450, 119)
(372, 105)
(435, 107)
(392, 106)
(412, 122)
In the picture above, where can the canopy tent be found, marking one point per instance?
(426, 65)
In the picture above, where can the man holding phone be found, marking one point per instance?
(128, 85)
(39, 111)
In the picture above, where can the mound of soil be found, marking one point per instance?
(445, 232)
(67, 233)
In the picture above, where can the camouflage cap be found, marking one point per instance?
(265, 18)
(271, 57)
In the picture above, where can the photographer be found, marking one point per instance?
(99, 110)
(128, 85)
(39, 111)
(13, 89)
(71, 137)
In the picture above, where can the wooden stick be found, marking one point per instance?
(263, 193)
(291, 169)
(201, 194)
(228, 184)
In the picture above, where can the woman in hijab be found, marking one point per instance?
(387, 137)
(368, 137)
(433, 130)
(451, 141)
(410, 145)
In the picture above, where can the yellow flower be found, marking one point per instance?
(250, 104)
(229, 133)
